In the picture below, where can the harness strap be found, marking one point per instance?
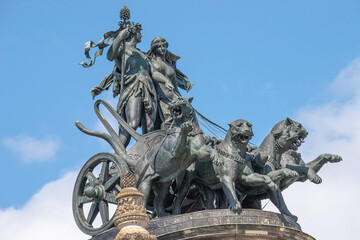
(151, 160)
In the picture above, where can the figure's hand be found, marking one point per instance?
(169, 86)
(124, 34)
(313, 176)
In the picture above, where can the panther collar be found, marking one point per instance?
(235, 158)
(273, 164)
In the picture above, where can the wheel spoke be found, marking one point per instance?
(104, 174)
(94, 210)
(91, 177)
(112, 182)
(85, 199)
(104, 211)
(110, 198)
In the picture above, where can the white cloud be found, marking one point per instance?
(330, 211)
(46, 216)
(31, 149)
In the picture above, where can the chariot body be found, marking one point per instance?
(98, 181)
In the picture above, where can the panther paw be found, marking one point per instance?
(236, 207)
(186, 126)
(290, 173)
(335, 158)
(314, 177)
(273, 186)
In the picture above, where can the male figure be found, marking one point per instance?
(138, 100)
(137, 103)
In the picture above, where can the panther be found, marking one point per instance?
(167, 160)
(279, 151)
(236, 167)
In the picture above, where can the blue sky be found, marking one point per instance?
(258, 60)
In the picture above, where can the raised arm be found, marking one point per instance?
(115, 49)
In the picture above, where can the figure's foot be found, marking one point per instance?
(236, 207)
(314, 177)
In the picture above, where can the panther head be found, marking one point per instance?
(240, 132)
(181, 109)
(289, 134)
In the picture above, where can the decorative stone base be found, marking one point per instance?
(134, 233)
(222, 224)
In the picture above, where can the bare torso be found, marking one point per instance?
(169, 72)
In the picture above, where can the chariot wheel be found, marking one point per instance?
(94, 193)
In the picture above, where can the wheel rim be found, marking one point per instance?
(97, 193)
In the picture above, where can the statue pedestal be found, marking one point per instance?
(222, 224)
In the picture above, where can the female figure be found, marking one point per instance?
(165, 75)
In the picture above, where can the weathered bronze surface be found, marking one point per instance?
(176, 167)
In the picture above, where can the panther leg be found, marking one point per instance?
(160, 191)
(281, 174)
(318, 162)
(278, 200)
(228, 186)
(206, 153)
(209, 198)
(313, 176)
(145, 188)
(255, 179)
(222, 202)
(181, 194)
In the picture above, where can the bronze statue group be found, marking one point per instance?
(225, 173)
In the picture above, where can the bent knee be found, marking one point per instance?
(134, 124)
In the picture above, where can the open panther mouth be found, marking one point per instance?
(177, 111)
(244, 138)
(297, 143)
